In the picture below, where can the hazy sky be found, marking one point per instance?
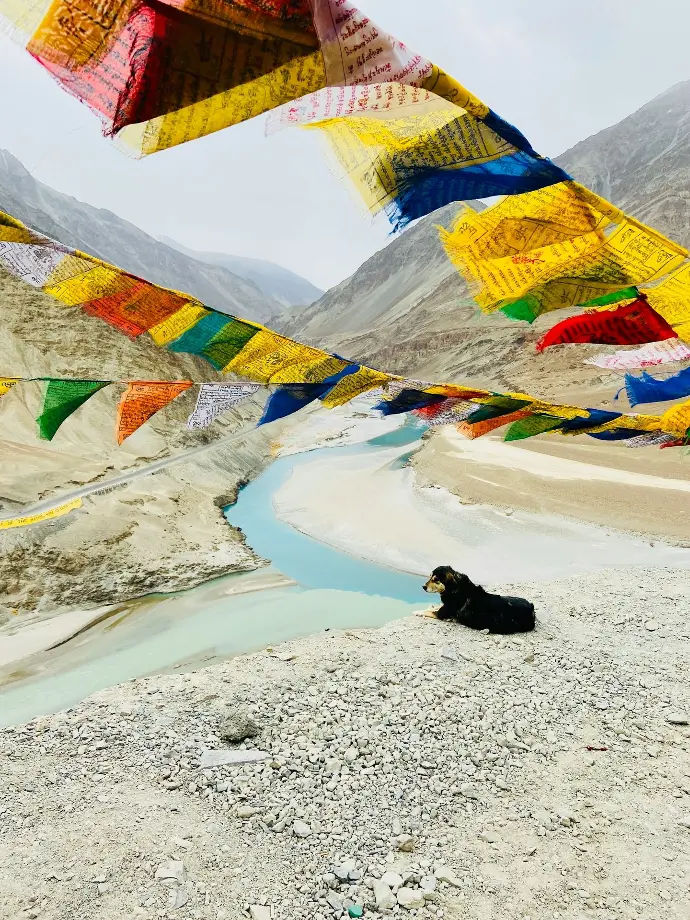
(561, 71)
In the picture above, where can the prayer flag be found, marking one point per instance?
(61, 399)
(632, 324)
(531, 426)
(651, 355)
(141, 400)
(557, 247)
(648, 389)
(6, 384)
(216, 398)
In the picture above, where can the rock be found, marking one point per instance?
(469, 791)
(444, 874)
(449, 653)
(344, 870)
(171, 871)
(334, 902)
(259, 912)
(238, 726)
(405, 843)
(393, 880)
(221, 758)
(384, 897)
(177, 899)
(651, 625)
(410, 898)
(351, 754)
(247, 811)
(428, 886)
(676, 718)
(301, 829)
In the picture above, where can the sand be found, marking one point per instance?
(645, 491)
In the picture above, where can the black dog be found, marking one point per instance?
(472, 606)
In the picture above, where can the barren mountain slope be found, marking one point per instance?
(105, 235)
(162, 532)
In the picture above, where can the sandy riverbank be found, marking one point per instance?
(371, 507)
(645, 490)
(475, 747)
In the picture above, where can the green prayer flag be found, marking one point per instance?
(499, 405)
(531, 426)
(630, 293)
(61, 399)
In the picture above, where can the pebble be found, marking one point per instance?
(301, 829)
(237, 726)
(173, 870)
(384, 897)
(677, 718)
(444, 874)
(392, 880)
(260, 912)
(410, 898)
(405, 843)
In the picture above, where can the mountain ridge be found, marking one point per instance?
(107, 236)
(276, 281)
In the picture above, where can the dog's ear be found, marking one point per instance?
(449, 576)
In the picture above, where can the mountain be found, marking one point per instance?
(406, 309)
(642, 164)
(280, 283)
(107, 236)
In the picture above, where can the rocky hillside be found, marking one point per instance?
(158, 533)
(642, 164)
(107, 236)
(280, 283)
(407, 310)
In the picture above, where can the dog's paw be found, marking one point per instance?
(430, 614)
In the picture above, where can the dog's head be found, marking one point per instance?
(444, 578)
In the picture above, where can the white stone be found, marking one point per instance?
(393, 880)
(385, 899)
(259, 912)
(171, 870)
(410, 898)
(301, 829)
(444, 874)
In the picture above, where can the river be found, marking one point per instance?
(331, 588)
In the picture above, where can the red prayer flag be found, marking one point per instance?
(633, 324)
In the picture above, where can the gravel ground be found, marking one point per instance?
(420, 770)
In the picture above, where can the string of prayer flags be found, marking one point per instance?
(648, 389)
(554, 248)
(651, 355)
(162, 72)
(61, 398)
(631, 324)
(141, 400)
(214, 399)
(448, 412)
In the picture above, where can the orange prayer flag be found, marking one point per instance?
(490, 424)
(141, 400)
